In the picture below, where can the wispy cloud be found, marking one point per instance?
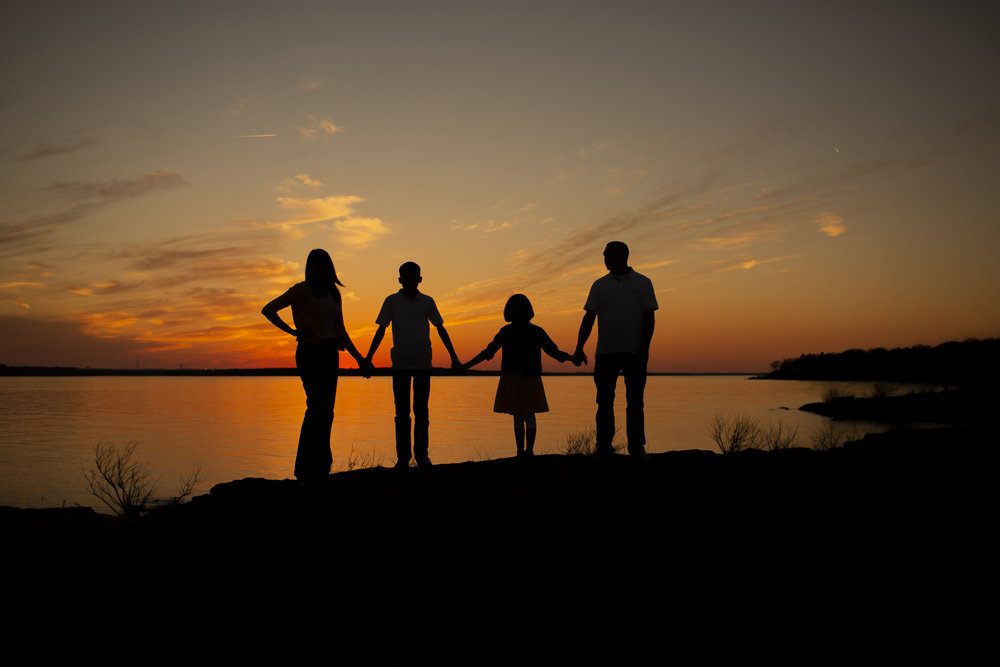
(339, 210)
(60, 342)
(20, 283)
(656, 265)
(256, 136)
(736, 241)
(239, 106)
(831, 225)
(31, 268)
(49, 147)
(299, 182)
(175, 262)
(311, 84)
(108, 287)
(304, 179)
(80, 199)
(360, 231)
(317, 128)
(119, 188)
(772, 191)
(318, 209)
(171, 253)
(500, 216)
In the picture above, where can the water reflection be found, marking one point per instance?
(246, 427)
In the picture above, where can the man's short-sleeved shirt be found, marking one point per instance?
(410, 319)
(619, 302)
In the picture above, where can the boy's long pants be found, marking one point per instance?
(421, 382)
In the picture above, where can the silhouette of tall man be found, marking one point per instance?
(623, 304)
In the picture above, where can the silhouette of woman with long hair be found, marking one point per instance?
(520, 392)
(317, 311)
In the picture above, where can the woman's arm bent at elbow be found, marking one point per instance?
(270, 311)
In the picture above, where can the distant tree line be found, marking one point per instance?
(968, 362)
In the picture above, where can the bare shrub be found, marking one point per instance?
(584, 441)
(119, 481)
(126, 485)
(735, 434)
(357, 460)
(834, 434)
(187, 486)
(777, 436)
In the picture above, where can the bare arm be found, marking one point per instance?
(455, 363)
(550, 348)
(482, 356)
(270, 311)
(364, 364)
(648, 323)
(488, 352)
(586, 326)
(376, 341)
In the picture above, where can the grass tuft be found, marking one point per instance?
(584, 441)
(739, 433)
(357, 460)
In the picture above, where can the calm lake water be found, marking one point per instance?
(248, 427)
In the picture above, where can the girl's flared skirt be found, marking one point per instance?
(520, 395)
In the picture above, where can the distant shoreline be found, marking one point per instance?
(71, 371)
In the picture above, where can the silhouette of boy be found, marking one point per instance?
(409, 311)
(623, 304)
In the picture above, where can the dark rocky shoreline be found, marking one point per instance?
(972, 407)
(560, 559)
(554, 519)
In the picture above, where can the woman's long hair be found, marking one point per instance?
(320, 274)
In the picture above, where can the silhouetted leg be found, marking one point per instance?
(401, 397)
(606, 368)
(635, 386)
(421, 418)
(318, 368)
(530, 430)
(519, 434)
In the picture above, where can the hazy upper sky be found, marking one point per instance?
(793, 176)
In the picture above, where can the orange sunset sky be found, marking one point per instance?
(793, 176)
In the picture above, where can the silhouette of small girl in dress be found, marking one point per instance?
(520, 392)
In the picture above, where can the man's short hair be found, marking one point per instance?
(409, 267)
(616, 247)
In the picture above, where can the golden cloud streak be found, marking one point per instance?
(831, 225)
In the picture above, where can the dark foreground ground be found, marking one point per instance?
(880, 514)
(880, 548)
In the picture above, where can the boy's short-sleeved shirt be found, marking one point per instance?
(619, 302)
(410, 318)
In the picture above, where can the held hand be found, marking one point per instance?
(578, 358)
(457, 365)
(366, 367)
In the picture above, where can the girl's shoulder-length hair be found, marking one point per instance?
(516, 304)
